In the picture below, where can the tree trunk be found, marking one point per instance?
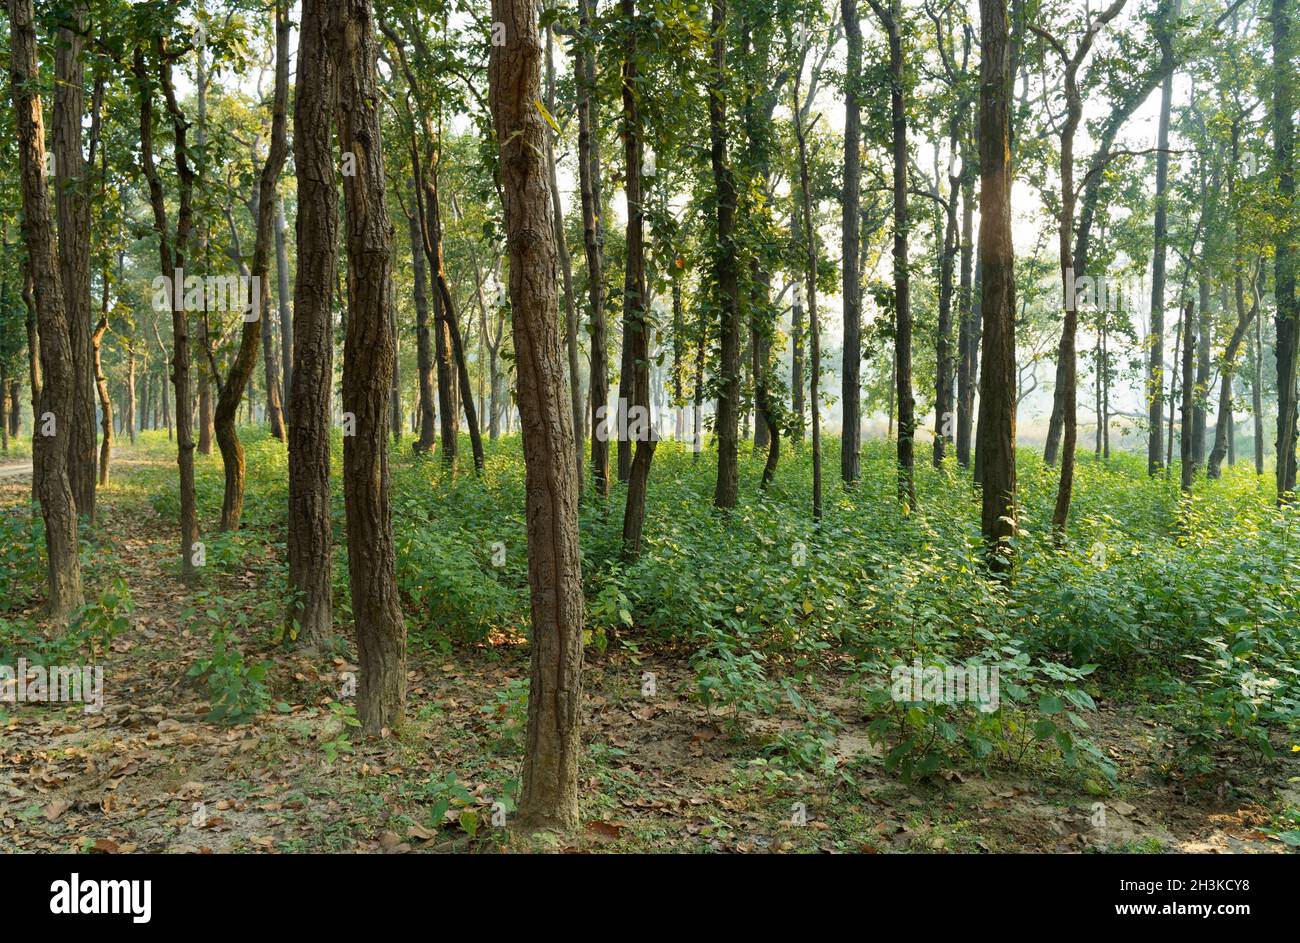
(997, 414)
(283, 295)
(256, 323)
(851, 369)
(1187, 448)
(1287, 317)
(584, 76)
(549, 794)
(566, 266)
(423, 355)
(726, 272)
(310, 532)
(171, 254)
(1156, 361)
(52, 433)
(72, 198)
(635, 299)
(368, 356)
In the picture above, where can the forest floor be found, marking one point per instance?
(662, 773)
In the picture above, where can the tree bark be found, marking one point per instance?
(549, 795)
(72, 198)
(310, 532)
(368, 357)
(997, 413)
(56, 378)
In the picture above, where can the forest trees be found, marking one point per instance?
(52, 441)
(549, 796)
(996, 433)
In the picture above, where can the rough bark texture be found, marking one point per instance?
(549, 796)
(368, 357)
(726, 272)
(310, 537)
(72, 198)
(996, 435)
(56, 378)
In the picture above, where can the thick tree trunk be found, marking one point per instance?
(72, 197)
(368, 356)
(549, 795)
(56, 379)
(310, 532)
(997, 415)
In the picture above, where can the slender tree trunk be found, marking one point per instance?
(566, 265)
(902, 300)
(726, 272)
(851, 369)
(101, 387)
(172, 254)
(368, 357)
(997, 416)
(284, 295)
(1257, 390)
(549, 795)
(967, 345)
(1156, 361)
(584, 75)
(428, 436)
(256, 322)
(635, 298)
(1287, 318)
(310, 531)
(1187, 448)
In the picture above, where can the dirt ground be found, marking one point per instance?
(662, 772)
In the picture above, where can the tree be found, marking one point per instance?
(851, 392)
(549, 795)
(256, 324)
(52, 438)
(310, 531)
(172, 251)
(1287, 317)
(997, 412)
(726, 270)
(368, 357)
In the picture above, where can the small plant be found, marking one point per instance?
(342, 717)
(507, 715)
(236, 688)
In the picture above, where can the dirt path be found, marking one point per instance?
(148, 773)
(15, 469)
